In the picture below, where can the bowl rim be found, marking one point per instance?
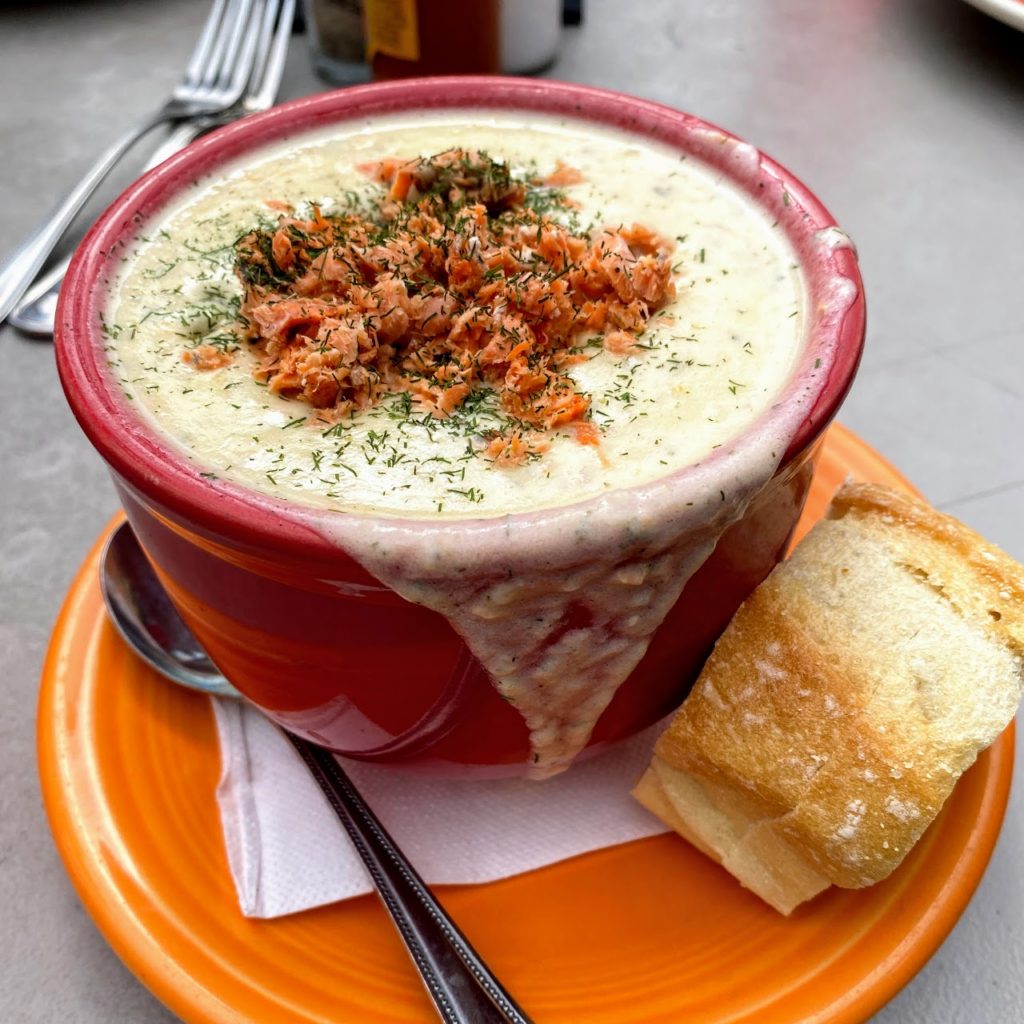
(222, 509)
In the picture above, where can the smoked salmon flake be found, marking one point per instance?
(458, 275)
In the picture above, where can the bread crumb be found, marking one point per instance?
(854, 814)
(768, 670)
(902, 810)
(708, 691)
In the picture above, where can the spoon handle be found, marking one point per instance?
(460, 984)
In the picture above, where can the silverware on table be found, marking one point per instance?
(214, 81)
(142, 613)
(34, 314)
(463, 989)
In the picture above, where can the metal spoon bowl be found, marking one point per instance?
(143, 614)
(462, 987)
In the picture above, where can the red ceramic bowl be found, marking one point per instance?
(297, 625)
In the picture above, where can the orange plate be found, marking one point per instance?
(647, 931)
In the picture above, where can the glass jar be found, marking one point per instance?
(337, 41)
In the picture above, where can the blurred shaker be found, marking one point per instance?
(531, 31)
(337, 42)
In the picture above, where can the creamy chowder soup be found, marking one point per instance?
(622, 536)
(707, 364)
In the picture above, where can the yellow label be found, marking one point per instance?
(391, 29)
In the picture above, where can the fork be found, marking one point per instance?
(214, 81)
(34, 314)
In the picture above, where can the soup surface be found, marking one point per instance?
(707, 364)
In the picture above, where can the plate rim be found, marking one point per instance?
(177, 989)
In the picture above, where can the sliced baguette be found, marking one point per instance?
(845, 699)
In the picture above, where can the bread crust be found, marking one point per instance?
(846, 697)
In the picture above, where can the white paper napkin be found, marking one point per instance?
(288, 852)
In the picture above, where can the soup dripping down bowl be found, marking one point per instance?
(302, 627)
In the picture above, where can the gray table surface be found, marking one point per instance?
(905, 116)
